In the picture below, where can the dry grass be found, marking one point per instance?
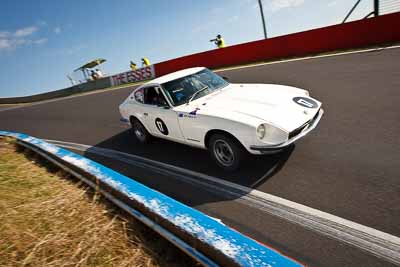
(49, 219)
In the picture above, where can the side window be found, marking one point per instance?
(139, 95)
(153, 96)
(150, 96)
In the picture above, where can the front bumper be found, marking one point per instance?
(311, 125)
(123, 120)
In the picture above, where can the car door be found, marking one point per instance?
(134, 105)
(160, 119)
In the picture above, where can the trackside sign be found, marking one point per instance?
(141, 74)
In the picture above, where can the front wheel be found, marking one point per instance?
(141, 134)
(226, 152)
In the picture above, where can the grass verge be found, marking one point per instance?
(50, 219)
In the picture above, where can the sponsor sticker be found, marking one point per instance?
(183, 115)
(194, 112)
(305, 102)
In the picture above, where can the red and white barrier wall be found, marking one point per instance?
(361, 33)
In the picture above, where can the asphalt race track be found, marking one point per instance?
(349, 166)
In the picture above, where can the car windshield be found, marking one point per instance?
(181, 90)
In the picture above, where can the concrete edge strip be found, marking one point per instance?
(234, 246)
(378, 243)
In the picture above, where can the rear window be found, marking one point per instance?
(139, 95)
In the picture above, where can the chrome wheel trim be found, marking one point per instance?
(223, 153)
(139, 132)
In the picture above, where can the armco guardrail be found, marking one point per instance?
(79, 88)
(367, 32)
(207, 240)
(140, 74)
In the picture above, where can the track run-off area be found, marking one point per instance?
(331, 200)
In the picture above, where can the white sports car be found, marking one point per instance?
(199, 108)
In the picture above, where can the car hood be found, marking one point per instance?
(283, 106)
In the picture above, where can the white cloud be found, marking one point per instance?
(233, 19)
(216, 10)
(57, 30)
(42, 23)
(20, 37)
(18, 42)
(40, 41)
(280, 4)
(25, 31)
(75, 49)
(332, 3)
(4, 34)
(4, 43)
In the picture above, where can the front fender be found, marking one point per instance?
(195, 129)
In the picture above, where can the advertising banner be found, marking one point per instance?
(138, 75)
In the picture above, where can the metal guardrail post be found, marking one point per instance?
(376, 8)
(351, 11)
(262, 18)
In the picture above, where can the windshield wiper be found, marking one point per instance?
(196, 93)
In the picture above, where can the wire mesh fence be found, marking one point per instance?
(389, 6)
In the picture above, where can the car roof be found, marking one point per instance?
(176, 75)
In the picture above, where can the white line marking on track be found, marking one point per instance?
(12, 106)
(375, 242)
(265, 176)
(23, 105)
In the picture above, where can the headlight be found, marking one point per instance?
(261, 131)
(271, 134)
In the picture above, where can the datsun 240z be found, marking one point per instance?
(197, 107)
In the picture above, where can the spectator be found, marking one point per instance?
(145, 62)
(133, 65)
(93, 75)
(99, 74)
(219, 41)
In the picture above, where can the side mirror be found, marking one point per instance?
(164, 106)
(225, 78)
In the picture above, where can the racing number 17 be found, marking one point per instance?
(160, 126)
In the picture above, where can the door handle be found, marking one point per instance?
(145, 114)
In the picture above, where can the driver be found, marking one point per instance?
(158, 98)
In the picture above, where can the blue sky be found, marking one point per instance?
(42, 41)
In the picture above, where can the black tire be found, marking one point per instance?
(226, 152)
(140, 132)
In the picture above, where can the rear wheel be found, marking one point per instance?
(140, 132)
(226, 152)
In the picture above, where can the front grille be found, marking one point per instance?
(301, 128)
(298, 130)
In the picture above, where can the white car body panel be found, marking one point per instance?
(237, 109)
